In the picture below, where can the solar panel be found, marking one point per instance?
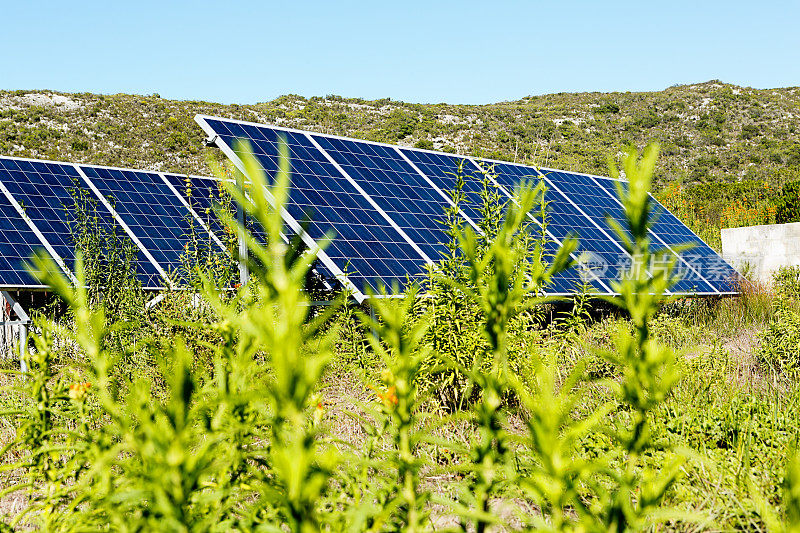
(442, 170)
(203, 195)
(587, 194)
(151, 210)
(700, 260)
(376, 194)
(17, 244)
(605, 203)
(397, 188)
(46, 191)
(604, 254)
(367, 246)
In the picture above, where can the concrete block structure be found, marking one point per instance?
(761, 250)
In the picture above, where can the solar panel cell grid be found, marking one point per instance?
(320, 192)
(47, 193)
(598, 204)
(397, 188)
(203, 195)
(705, 261)
(442, 169)
(17, 244)
(151, 210)
(579, 204)
(605, 258)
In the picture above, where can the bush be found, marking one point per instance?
(425, 144)
(750, 131)
(786, 282)
(80, 145)
(455, 319)
(788, 204)
(607, 107)
(780, 348)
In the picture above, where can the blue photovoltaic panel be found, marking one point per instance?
(675, 233)
(579, 205)
(17, 244)
(442, 170)
(203, 195)
(365, 245)
(607, 258)
(45, 190)
(151, 210)
(397, 188)
(596, 203)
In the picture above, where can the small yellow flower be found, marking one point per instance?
(78, 391)
(389, 397)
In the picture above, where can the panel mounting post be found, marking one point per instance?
(244, 273)
(24, 321)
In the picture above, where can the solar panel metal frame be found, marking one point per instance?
(213, 138)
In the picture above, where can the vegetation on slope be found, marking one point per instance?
(709, 131)
(727, 151)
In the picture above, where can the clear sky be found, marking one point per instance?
(418, 51)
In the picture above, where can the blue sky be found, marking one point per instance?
(433, 51)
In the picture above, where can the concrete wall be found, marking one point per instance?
(763, 248)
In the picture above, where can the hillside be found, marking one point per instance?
(710, 132)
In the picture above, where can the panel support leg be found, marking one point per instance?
(24, 321)
(373, 322)
(244, 274)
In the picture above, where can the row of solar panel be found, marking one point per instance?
(40, 207)
(385, 205)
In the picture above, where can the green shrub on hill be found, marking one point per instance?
(788, 203)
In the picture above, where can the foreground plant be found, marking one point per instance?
(186, 447)
(617, 490)
(503, 283)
